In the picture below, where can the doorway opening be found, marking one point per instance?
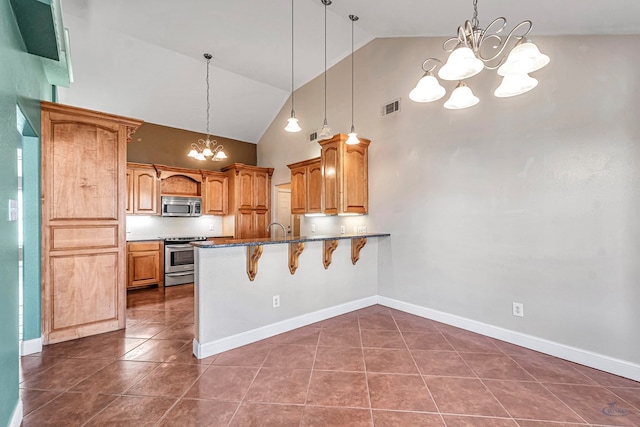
(283, 208)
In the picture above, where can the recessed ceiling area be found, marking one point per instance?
(144, 58)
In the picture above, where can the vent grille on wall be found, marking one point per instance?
(390, 108)
(313, 136)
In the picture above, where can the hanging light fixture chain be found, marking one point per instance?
(208, 57)
(353, 18)
(474, 21)
(292, 92)
(326, 3)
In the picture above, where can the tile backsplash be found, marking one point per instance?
(144, 227)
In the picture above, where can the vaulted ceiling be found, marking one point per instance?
(143, 58)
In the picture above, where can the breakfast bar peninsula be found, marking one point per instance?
(250, 289)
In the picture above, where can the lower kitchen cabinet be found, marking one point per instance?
(145, 264)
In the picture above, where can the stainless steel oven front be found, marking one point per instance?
(179, 260)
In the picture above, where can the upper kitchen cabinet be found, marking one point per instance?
(306, 186)
(142, 190)
(84, 181)
(216, 193)
(345, 176)
(175, 181)
(249, 199)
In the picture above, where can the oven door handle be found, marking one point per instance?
(187, 273)
(170, 246)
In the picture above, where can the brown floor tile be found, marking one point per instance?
(529, 423)
(513, 349)
(248, 355)
(631, 395)
(34, 365)
(70, 348)
(465, 396)
(334, 388)
(279, 385)
(307, 335)
(340, 337)
(426, 340)
(495, 366)
(185, 356)
(69, 410)
(399, 392)
(155, 350)
(415, 324)
(458, 421)
(223, 383)
(348, 321)
(111, 348)
(199, 413)
(377, 321)
(141, 330)
(115, 378)
(597, 405)
(169, 380)
(551, 370)
(531, 400)
(396, 418)
(315, 416)
(606, 379)
(445, 363)
(33, 399)
(132, 411)
(468, 342)
(339, 359)
(389, 361)
(291, 356)
(267, 415)
(179, 331)
(375, 338)
(65, 374)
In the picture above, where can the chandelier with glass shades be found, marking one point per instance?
(475, 49)
(207, 148)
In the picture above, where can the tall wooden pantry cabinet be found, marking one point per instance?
(83, 221)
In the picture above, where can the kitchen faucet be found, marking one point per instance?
(284, 233)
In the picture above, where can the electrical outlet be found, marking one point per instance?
(210, 227)
(518, 309)
(313, 228)
(342, 229)
(362, 229)
(276, 301)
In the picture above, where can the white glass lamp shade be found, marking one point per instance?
(220, 155)
(428, 89)
(461, 97)
(207, 151)
(352, 137)
(462, 64)
(515, 84)
(193, 153)
(200, 156)
(292, 125)
(523, 59)
(325, 132)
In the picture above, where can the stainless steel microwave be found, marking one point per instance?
(181, 206)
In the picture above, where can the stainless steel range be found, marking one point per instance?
(179, 260)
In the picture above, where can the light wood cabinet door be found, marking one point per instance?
(355, 195)
(261, 219)
(299, 190)
(216, 194)
(145, 264)
(331, 175)
(129, 209)
(245, 190)
(314, 187)
(245, 224)
(84, 183)
(261, 190)
(146, 199)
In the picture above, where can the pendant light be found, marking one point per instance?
(325, 133)
(205, 148)
(353, 136)
(292, 122)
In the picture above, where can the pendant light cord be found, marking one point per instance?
(208, 56)
(326, 3)
(292, 57)
(353, 18)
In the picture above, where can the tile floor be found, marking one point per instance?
(376, 366)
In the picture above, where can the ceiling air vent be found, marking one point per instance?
(390, 108)
(313, 136)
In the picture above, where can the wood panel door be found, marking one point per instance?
(84, 201)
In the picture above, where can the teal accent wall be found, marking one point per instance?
(23, 82)
(31, 237)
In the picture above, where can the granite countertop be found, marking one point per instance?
(275, 241)
(153, 238)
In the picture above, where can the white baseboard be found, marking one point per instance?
(573, 354)
(31, 346)
(202, 350)
(16, 419)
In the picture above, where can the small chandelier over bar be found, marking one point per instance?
(474, 49)
(207, 148)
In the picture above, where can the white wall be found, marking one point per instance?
(152, 227)
(531, 199)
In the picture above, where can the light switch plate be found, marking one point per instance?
(13, 210)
